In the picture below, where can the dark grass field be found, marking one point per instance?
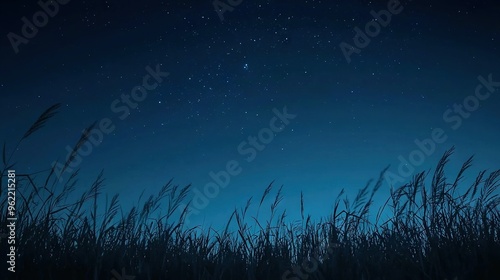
(441, 230)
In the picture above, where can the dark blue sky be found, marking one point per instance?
(224, 80)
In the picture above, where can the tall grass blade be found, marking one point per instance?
(42, 119)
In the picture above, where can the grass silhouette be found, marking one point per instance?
(437, 231)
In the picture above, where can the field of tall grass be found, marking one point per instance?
(441, 230)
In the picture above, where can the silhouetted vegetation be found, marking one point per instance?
(439, 231)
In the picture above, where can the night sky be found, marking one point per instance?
(180, 91)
